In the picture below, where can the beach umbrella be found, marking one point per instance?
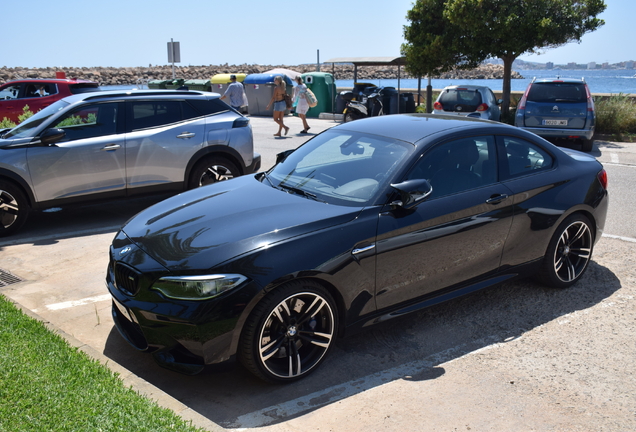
(288, 72)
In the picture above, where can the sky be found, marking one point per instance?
(123, 33)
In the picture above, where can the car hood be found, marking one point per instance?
(205, 227)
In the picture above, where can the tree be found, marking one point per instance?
(503, 29)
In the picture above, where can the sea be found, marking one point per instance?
(599, 80)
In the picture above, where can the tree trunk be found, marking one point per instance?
(505, 106)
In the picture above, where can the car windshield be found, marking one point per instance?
(27, 127)
(551, 92)
(341, 167)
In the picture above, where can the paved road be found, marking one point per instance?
(515, 357)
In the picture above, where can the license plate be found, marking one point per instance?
(122, 309)
(555, 122)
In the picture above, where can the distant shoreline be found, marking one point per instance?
(135, 75)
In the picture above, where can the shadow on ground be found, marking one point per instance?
(411, 347)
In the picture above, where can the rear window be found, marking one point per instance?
(208, 106)
(83, 88)
(469, 100)
(551, 92)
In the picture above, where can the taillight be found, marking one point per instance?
(438, 106)
(483, 107)
(590, 101)
(602, 177)
(522, 103)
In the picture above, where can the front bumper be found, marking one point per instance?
(183, 336)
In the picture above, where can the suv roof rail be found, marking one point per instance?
(533, 80)
(98, 95)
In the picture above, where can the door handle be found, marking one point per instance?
(186, 135)
(496, 199)
(111, 147)
(363, 249)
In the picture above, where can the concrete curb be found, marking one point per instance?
(129, 379)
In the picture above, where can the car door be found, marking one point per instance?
(10, 103)
(88, 161)
(162, 137)
(456, 236)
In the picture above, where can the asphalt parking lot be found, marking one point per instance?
(516, 357)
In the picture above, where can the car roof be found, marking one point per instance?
(416, 127)
(52, 81)
(467, 87)
(132, 94)
(557, 79)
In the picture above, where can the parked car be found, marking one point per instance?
(38, 94)
(558, 108)
(365, 222)
(120, 143)
(468, 100)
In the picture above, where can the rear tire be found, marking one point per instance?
(14, 208)
(290, 332)
(588, 145)
(569, 253)
(212, 170)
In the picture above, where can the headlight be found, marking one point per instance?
(197, 287)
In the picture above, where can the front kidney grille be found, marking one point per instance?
(126, 279)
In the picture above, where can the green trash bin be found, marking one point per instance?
(199, 84)
(323, 86)
(157, 84)
(174, 84)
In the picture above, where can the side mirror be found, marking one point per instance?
(412, 192)
(280, 157)
(51, 136)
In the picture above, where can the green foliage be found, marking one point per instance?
(46, 385)
(91, 118)
(6, 123)
(616, 115)
(443, 32)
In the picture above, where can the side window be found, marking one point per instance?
(10, 92)
(524, 157)
(90, 121)
(148, 114)
(459, 165)
(40, 90)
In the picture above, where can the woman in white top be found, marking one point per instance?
(301, 102)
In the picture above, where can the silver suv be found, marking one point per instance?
(115, 144)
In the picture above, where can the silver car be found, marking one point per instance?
(115, 144)
(468, 101)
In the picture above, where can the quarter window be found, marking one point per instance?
(524, 157)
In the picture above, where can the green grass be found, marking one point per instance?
(47, 385)
(616, 115)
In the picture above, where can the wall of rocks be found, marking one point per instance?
(135, 75)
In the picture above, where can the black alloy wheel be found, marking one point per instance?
(349, 117)
(212, 170)
(569, 252)
(290, 332)
(14, 208)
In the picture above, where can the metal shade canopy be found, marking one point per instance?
(371, 61)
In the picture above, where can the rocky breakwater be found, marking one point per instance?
(136, 75)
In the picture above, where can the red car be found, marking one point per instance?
(37, 94)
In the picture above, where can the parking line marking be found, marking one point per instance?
(627, 239)
(73, 303)
(614, 157)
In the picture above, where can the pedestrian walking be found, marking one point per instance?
(278, 99)
(300, 102)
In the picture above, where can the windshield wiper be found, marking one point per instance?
(300, 192)
(269, 180)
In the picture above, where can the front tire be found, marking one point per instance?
(14, 208)
(212, 170)
(290, 332)
(349, 117)
(569, 252)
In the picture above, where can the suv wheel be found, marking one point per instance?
(14, 208)
(212, 170)
(588, 145)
